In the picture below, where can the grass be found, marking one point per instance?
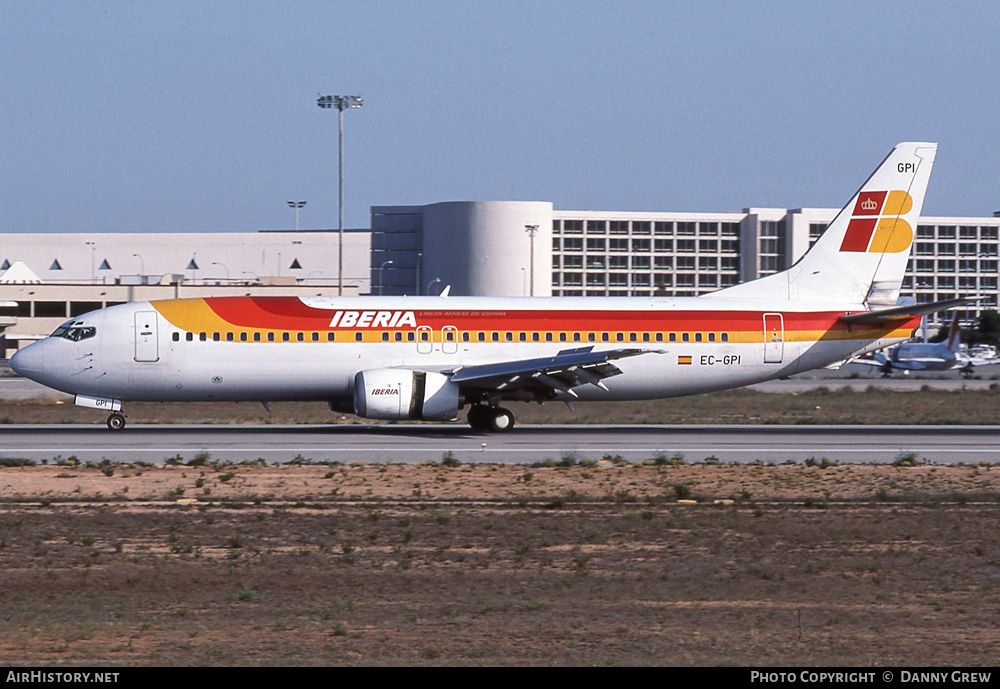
(860, 405)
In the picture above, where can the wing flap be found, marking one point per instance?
(566, 370)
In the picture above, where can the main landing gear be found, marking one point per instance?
(116, 421)
(483, 417)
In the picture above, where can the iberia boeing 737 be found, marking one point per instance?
(427, 358)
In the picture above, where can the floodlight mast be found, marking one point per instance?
(342, 103)
(532, 230)
(296, 205)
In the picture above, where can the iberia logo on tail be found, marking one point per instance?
(876, 225)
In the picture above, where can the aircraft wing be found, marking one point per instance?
(977, 361)
(547, 375)
(879, 359)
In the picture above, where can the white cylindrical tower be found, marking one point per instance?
(485, 248)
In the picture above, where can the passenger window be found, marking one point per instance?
(243, 337)
(358, 336)
(285, 337)
(535, 337)
(177, 337)
(659, 337)
(229, 337)
(685, 337)
(576, 337)
(216, 337)
(725, 337)
(300, 337)
(203, 337)
(256, 337)
(548, 337)
(270, 337)
(399, 336)
(330, 336)
(385, 337)
(189, 337)
(673, 337)
(562, 337)
(591, 337)
(482, 337)
(315, 337)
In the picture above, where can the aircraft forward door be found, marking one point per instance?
(774, 338)
(146, 344)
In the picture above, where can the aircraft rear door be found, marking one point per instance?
(146, 345)
(774, 338)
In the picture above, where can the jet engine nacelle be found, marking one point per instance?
(392, 393)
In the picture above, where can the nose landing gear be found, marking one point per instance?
(116, 421)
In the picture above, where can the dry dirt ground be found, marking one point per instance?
(598, 563)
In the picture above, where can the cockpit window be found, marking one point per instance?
(75, 331)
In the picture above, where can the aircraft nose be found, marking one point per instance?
(27, 361)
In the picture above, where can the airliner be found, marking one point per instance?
(427, 358)
(930, 356)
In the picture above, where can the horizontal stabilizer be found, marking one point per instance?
(909, 310)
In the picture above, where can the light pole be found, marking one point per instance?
(380, 281)
(342, 103)
(217, 263)
(142, 265)
(296, 205)
(93, 250)
(532, 230)
(431, 284)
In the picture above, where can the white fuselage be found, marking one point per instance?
(175, 351)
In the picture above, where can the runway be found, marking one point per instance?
(397, 443)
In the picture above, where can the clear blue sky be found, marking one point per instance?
(202, 116)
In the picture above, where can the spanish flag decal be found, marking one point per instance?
(683, 361)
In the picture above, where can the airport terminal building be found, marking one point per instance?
(496, 248)
(528, 248)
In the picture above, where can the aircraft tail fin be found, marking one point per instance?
(862, 255)
(954, 335)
